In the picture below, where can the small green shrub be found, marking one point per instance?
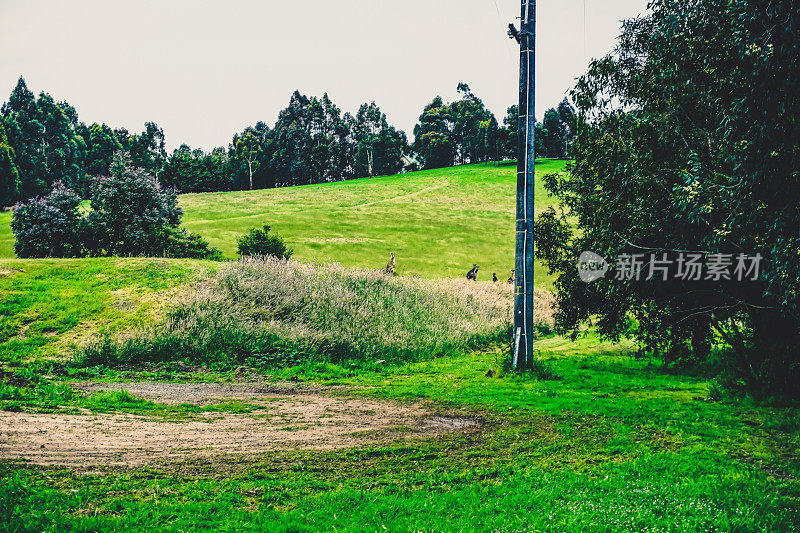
(180, 243)
(258, 242)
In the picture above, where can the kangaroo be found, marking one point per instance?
(494, 277)
(511, 279)
(473, 273)
(390, 265)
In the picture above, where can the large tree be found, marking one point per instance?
(309, 143)
(46, 147)
(247, 148)
(433, 135)
(689, 141)
(378, 146)
(463, 131)
(9, 177)
(148, 149)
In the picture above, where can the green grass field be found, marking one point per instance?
(438, 222)
(6, 237)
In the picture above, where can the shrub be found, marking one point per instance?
(259, 242)
(178, 242)
(49, 226)
(129, 210)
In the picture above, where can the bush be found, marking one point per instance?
(129, 211)
(180, 243)
(49, 226)
(259, 242)
(131, 215)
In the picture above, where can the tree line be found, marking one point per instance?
(43, 142)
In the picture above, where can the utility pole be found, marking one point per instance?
(523, 294)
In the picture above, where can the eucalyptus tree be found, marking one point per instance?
(688, 140)
(378, 146)
(248, 147)
(9, 176)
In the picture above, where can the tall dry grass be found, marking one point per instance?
(272, 312)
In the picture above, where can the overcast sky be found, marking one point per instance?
(205, 69)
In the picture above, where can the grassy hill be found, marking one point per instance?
(438, 222)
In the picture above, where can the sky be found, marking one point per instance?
(203, 70)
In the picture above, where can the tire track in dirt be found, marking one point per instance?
(288, 418)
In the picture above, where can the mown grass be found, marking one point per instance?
(46, 306)
(6, 237)
(439, 222)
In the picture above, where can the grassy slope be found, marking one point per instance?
(439, 222)
(48, 304)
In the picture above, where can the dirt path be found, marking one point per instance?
(289, 417)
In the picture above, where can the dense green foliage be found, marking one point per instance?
(379, 148)
(460, 132)
(46, 147)
(258, 241)
(702, 155)
(50, 226)
(553, 137)
(197, 171)
(312, 141)
(9, 176)
(128, 208)
(130, 215)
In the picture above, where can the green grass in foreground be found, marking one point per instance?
(6, 237)
(51, 303)
(615, 445)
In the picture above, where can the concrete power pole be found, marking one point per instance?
(523, 296)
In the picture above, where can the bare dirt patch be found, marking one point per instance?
(290, 418)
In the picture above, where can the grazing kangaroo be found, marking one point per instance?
(390, 265)
(494, 277)
(511, 279)
(473, 273)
